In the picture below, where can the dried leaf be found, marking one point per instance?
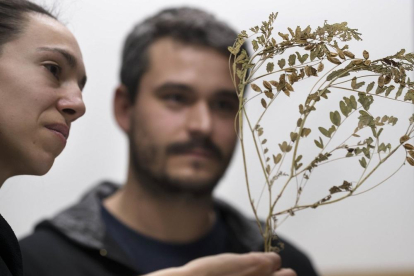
(363, 162)
(267, 85)
(381, 81)
(289, 87)
(357, 61)
(370, 86)
(269, 67)
(276, 159)
(274, 83)
(269, 94)
(408, 146)
(335, 118)
(292, 60)
(305, 132)
(404, 139)
(255, 87)
(410, 161)
(264, 104)
(320, 67)
(334, 60)
(334, 190)
(349, 54)
(281, 63)
(325, 132)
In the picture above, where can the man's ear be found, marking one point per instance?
(123, 107)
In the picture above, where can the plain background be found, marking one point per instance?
(372, 232)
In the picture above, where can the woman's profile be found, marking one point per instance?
(41, 80)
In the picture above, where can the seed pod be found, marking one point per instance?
(365, 54)
(302, 73)
(367, 62)
(349, 54)
(404, 139)
(411, 153)
(274, 83)
(308, 71)
(333, 54)
(334, 60)
(256, 88)
(310, 47)
(290, 70)
(387, 79)
(320, 67)
(410, 161)
(289, 87)
(341, 54)
(357, 61)
(381, 80)
(408, 146)
(267, 85)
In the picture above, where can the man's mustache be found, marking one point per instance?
(204, 143)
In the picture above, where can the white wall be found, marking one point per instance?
(373, 231)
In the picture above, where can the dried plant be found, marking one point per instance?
(312, 50)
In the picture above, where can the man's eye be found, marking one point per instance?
(227, 106)
(175, 98)
(54, 69)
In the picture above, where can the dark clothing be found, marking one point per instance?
(77, 242)
(10, 257)
(149, 255)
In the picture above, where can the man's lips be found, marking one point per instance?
(60, 129)
(199, 153)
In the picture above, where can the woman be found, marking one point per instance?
(41, 80)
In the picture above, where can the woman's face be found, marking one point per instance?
(41, 80)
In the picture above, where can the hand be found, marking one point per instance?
(251, 264)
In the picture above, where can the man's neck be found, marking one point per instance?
(168, 219)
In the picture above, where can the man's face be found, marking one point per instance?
(182, 132)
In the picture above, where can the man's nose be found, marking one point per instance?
(71, 104)
(200, 121)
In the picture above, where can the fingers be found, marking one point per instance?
(285, 272)
(251, 264)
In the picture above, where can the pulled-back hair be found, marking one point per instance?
(187, 25)
(13, 18)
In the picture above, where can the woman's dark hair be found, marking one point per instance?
(13, 18)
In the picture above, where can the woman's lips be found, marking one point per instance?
(61, 130)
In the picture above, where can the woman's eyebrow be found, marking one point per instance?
(71, 59)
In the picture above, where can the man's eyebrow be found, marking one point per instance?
(173, 86)
(68, 56)
(70, 59)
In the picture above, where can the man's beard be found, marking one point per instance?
(151, 172)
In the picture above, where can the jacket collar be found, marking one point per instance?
(82, 223)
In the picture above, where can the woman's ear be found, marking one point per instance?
(123, 107)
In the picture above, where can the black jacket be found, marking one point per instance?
(10, 257)
(75, 242)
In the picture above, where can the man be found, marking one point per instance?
(177, 104)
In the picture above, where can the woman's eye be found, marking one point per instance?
(54, 69)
